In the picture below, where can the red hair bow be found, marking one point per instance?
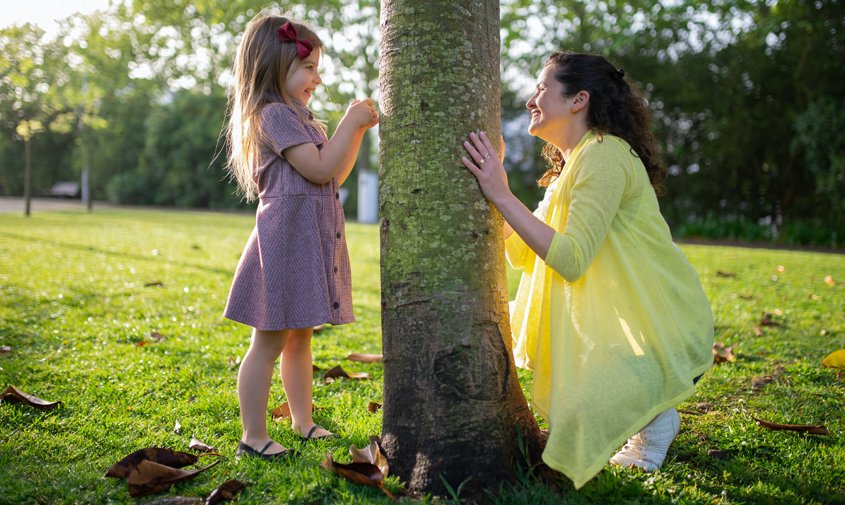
(287, 33)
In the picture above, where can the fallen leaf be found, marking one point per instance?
(150, 477)
(718, 453)
(758, 331)
(13, 394)
(177, 427)
(225, 491)
(337, 372)
(767, 319)
(759, 382)
(722, 273)
(814, 429)
(836, 359)
(283, 412)
(829, 280)
(365, 358)
(747, 297)
(814, 297)
(362, 473)
(157, 336)
(370, 454)
(780, 268)
(140, 343)
(5, 348)
(201, 446)
(154, 284)
(704, 406)
(315, 368)
(373, 407)
(162, 455)
(722, 353)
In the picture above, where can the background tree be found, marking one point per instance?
(453, 408)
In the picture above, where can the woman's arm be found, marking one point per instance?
(492, 178)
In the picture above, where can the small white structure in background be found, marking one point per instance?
(367, 196)
(343, 194)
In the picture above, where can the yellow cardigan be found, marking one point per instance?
(614, 324)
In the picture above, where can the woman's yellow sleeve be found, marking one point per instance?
(595, 197)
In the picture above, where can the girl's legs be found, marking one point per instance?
(254, 378)
(296, 370)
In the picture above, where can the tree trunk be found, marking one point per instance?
(27, 177)
(453, 408)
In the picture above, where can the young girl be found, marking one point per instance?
(609, 314)
(294, 271)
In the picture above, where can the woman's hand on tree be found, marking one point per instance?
(486, 166)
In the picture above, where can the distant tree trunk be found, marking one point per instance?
(27, 176)
(453, 408)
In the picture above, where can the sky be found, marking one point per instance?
(44, 13)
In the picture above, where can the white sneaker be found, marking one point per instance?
(647, 449)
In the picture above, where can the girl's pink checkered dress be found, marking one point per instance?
(294, 271)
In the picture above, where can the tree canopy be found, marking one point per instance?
(747, 99)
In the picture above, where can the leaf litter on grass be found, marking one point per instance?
(154, 469)
(13, 394)
(369, 466)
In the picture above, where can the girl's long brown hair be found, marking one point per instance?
(616, 108)
(261, 68)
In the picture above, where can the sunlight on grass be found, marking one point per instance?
(82, 293)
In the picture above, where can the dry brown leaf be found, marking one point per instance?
(158, 337)
(781, 268)
(197, 445)
(768, 319)
(717, 453)
(338, 371)
(362, 473)
(722, 353)
(758, 331)
(315, 368)
(365, 358)
(154, 284)
(283, 412)
(225, 491)
(829, 280)
(162, 455)
(371, 454)
(13, 394)
(373, 407)
(722, 273)
(150, 477)
(814, 429)
(747, 297)
(5, 348)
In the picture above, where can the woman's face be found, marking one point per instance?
(550, 110)
(303, 78)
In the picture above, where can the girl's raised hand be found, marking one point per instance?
(362, 113)
(486, 166)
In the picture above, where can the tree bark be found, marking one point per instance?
(453, 407)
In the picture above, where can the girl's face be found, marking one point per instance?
(550, 110)
(304, 77)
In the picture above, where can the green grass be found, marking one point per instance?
(73, 306)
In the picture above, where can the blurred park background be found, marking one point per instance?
(748, 98)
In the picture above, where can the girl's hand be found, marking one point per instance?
(362, 113)
(486, 166)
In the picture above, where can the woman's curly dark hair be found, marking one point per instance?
(616, 108)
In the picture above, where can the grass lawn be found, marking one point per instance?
(75, 304)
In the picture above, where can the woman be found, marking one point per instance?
(609, 314)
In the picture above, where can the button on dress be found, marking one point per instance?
(294, 271)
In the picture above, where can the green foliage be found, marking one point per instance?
(74, 307)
